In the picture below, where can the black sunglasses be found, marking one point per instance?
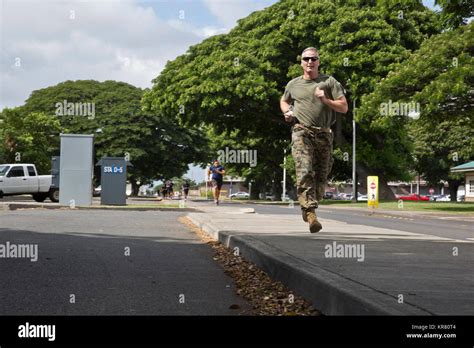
(313, 59)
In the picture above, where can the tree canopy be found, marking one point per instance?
(455, 12)
(157, 147)
(234, 81)
(28, 138)
(440, 78)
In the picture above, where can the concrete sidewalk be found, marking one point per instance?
(394, 273)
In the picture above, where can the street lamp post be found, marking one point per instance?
(418, 184)
(284, 177)
(206, 177)
(250, 183)
(354, 173)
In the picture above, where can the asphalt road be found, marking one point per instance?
(83, 253)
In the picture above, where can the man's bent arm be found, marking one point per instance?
(284, 105)
(338, 105)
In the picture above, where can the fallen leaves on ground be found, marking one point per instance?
(267, 297)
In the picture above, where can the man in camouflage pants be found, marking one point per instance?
(310, 102)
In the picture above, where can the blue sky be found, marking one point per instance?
(203, 13)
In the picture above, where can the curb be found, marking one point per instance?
(15, 206)
(329, 292)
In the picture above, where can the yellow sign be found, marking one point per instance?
(373, 191)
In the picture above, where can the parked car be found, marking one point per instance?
(413, 197)
(431, 197)
(240, 195)
(443, 198)
(328, 195)
(348, 197)
(269, 196)
(97, 191)
(362, 198)
(23, 178)
(339, 196)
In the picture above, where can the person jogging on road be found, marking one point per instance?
(169, 188)
(216, 179)
(186, 189)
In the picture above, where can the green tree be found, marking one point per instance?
(234, 81)
(265, 176)
(28, 137)
(440, 78)
(157, 146)
(455, 12)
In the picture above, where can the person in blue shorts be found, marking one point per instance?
(216, 179)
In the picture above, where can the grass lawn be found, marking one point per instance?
(443, 207)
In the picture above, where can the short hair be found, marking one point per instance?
(309, 49)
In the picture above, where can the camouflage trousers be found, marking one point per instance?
(312, 153)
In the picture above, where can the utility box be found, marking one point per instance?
(55, 167)
(113, 180)
(76, 169)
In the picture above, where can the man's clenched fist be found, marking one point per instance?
(288, 116)
(319, 93)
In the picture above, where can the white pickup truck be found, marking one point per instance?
(20, 179)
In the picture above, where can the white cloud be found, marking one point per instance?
(229, 11)
(105, 40)
(203, 32)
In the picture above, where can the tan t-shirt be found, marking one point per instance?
(307, 108)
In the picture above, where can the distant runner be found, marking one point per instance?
(217, 178)
(186, 189)
(169, 188)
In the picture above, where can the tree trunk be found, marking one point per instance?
(277, 187)
(257, 187)
(453, 188)
(255, 192)
(135, 186)
(362, 172)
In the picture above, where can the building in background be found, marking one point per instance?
(468, 170)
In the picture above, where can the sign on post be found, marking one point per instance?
(373, 191)
(113, 180)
